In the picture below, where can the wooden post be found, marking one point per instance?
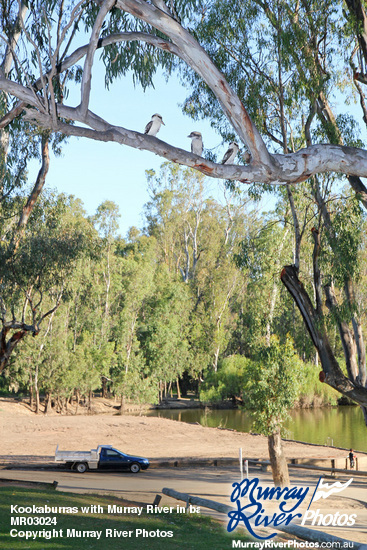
(246, 468)
(241, 465)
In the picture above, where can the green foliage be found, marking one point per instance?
(91, 360)
(311, 392)
(267, 66)
(139, 59)
(139, 313)
(106, 219)
(272, 385)
(163, 336)
(228, 382)
(197, 237)
(171, 299)
(55, 238)
(342, 248)
(137, 386)
(231, 379)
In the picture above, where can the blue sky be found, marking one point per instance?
(96, 171)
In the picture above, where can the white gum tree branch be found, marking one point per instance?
(74, 16)
(88, 63)
(8, 57)
(292, 168)
(196, 57)
(80, 52)
(264, 167)
(36, 49)
(51, 73)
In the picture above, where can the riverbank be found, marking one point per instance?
(27, 434)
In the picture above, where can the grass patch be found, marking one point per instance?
(190, 531)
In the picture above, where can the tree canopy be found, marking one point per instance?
(40, 59)
(267, 79)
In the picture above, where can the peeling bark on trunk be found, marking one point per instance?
(278, 461)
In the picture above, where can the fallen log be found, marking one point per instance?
(197, 501)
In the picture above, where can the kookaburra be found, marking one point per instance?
(152, 128)
(196, 143)
(231, 153)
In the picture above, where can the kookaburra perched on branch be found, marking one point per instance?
(231, 153)
(196, 143)
(152, 128)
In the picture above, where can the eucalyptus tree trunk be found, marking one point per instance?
(104, 387)
(122, 404)
(331, 372)
(36, 388)
(278, 461)
(77, 398)
(31, 390)
(47, 403)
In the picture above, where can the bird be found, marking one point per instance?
(231, 153)
(152, 128)
(196, 143)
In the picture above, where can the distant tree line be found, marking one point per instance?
(157, 312)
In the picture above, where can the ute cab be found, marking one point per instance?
(112, 459)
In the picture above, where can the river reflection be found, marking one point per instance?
(335, 426)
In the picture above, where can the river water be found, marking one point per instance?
(334, 426)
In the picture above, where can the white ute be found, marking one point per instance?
(80, 460)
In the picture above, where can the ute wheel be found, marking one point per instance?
(81, 467)
(135, 468)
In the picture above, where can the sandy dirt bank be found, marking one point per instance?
(24, 433)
